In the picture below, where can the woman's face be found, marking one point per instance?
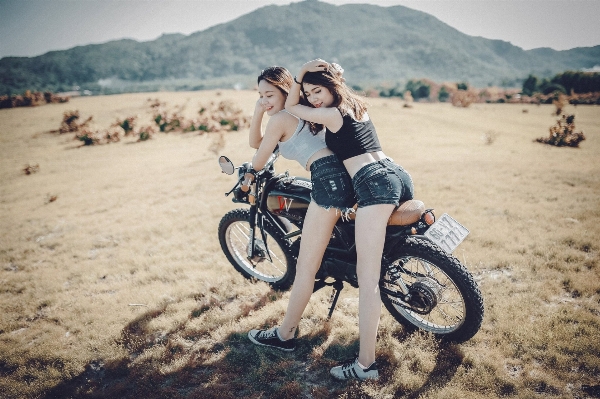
(273, 100)
(318, 96)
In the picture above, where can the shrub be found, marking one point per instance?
(221, 117)
(30, 169)
(127, 124)
(224, 116)
(30, 99)
(69, 123)
(88, 136)
(559, 101)
(464, 98)
(489, 137)
(146, 133)
(563, 133)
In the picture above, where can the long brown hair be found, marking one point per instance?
(278, 77)
(344, 98)
(283, 80)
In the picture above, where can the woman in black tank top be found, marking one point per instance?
(380, 185)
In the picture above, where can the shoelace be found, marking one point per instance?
(349, 363)
(267, 334)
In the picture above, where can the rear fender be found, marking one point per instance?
(399, 238)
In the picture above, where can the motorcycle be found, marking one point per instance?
(422, 285)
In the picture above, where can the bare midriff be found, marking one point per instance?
(354, 164)
(323, 152)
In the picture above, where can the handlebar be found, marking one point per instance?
(251, 174)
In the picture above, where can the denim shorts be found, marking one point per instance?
(382, 182)
(331, 184)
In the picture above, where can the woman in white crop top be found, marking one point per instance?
(296, 141)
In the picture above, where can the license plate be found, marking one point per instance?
(447, 233)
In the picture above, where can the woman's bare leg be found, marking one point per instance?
(371, 224)
(316, 233)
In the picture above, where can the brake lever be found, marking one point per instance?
(230, 191)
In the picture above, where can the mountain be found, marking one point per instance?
(374, 44)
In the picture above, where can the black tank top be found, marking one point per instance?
(353, 138)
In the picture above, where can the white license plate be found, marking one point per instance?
(447, 233)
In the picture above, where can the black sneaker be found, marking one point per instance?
(350, 369)
(271, 339)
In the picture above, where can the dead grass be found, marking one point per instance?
(118, 287)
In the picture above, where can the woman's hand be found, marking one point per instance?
(259, 108)
(315, 66)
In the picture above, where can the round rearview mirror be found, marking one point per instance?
(226, 165)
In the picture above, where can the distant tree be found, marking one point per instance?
(530, 85)
(553, 88)
(393, 92)
(462, 86)
(418, 88)
(424, 91)
(578, 82)
(443, 94)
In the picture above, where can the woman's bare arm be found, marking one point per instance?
(256, 134)
(273, 133)
(330, 117)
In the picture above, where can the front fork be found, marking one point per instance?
(251, 249)
(257, 250)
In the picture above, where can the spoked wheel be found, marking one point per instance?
(442, 296)
(277, 266)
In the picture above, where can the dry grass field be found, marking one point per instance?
(113, 283)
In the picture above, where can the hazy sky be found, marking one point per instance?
(33, 27)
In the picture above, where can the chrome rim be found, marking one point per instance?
(450, 312)
(238, 236)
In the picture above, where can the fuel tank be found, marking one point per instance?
(289, 197)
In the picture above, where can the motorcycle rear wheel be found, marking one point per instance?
(456, 310)
(234, 237)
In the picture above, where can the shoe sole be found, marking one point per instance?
(353, 378)
(255, 342)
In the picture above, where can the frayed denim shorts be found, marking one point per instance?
(382, 182)
(331, 184)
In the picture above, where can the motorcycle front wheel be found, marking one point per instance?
(444, 299)
(276, 267)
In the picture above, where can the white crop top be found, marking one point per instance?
(303, 144)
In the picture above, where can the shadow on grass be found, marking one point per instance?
(189, 363)
(448, 359)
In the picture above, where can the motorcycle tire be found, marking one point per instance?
(449, 302)
(234, 233)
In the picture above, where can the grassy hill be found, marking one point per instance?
(374, 44)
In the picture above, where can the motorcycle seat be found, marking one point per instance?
(408, 212)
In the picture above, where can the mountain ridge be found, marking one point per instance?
(374, 44)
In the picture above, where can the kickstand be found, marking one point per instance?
(338, 285)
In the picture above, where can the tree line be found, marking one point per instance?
(566, 83)
(569, 82)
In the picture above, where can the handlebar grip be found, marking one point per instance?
(248, 179)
